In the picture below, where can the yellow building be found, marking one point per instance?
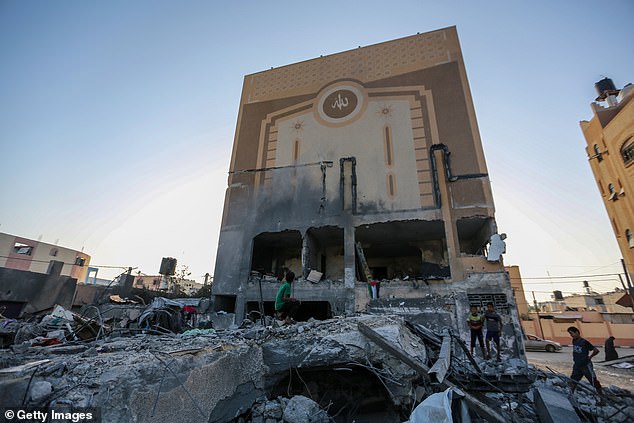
(610, 138)
(518, 290)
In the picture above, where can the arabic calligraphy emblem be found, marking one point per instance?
(340, 104)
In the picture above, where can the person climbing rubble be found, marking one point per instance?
(475, 322)
(286, 306)
(582, 353)
(494, 327)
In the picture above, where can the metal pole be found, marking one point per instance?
(541, 330)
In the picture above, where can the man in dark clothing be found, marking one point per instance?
(582, 353)
(494, 327)
(285, 305)
(610, 351)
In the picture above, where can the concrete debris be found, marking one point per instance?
(623, 365)
(314, 371)
(614, 405)
(41, 390)
(302, 410)
(553, 407)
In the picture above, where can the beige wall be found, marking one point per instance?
(596, 333)
(362, 139)
(41, 256)
(518, 289)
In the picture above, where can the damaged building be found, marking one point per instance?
(363, 167)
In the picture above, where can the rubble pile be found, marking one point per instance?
(297, 409)
(614, 405)
(357, 368)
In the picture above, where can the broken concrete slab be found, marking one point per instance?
(552, 407)
(304, 410)
(221, 320)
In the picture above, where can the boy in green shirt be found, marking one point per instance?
(475, 321)
(286, 306)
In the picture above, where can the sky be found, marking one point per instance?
(117, 118)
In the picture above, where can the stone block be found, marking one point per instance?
(553, 407)
(222, 321)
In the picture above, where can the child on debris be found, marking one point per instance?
(285, 306)
(475, 321)
(582, 353)
(494, 327)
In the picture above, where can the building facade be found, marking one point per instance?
(35, 276)
(363, 166)
(169, 283)
(35, 256)
(610, 149)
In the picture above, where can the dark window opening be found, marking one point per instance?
(349, 393)
(404, 249)
(323, 252)
(629, 238)
(319, 310)
(225, 303)
(12, 309)
(613, 195)
(627, 151)
(597, 153)
(23, 249)
(379, 272)
(474, 234)
(275, 251)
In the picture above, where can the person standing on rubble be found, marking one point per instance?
(475, 322)
(494, 327)
(286, 306)
(610, 351)
(582, 353)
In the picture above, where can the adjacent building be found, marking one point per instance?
(36, 256)
(610, 138)
(518, 290)
(34, 276)
(160, 283)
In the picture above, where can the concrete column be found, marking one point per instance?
(451, 232)
(349, 264)
(306, 264)
(240, 312)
